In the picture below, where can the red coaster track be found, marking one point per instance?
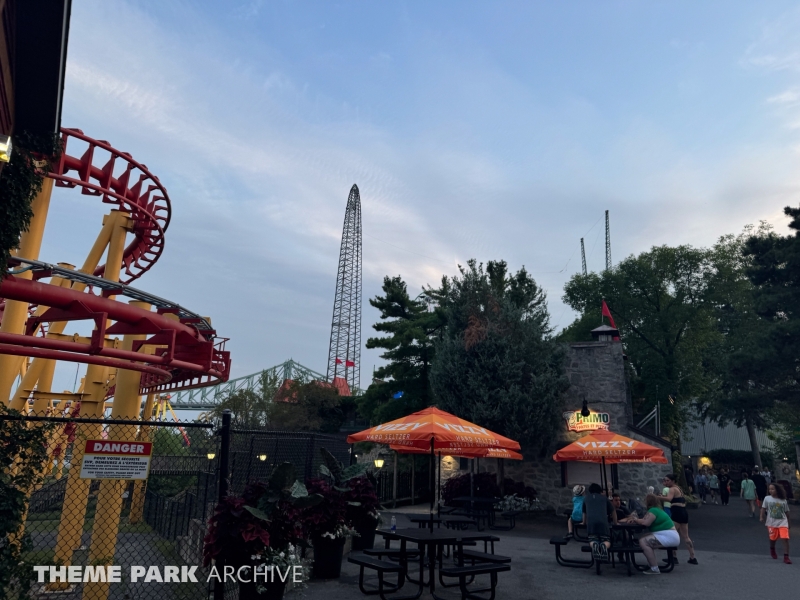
(189, 354)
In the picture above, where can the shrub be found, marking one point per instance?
(484, 485)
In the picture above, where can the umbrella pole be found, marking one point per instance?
(605, 479)
(433, 485)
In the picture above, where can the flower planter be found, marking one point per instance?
(328, 557)
(366, 536)
(274, 591)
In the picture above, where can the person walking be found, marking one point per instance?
(761, 485)
(701, 485)
(663, 533)
(679, 514)
(748, 492)
(713, 486)
(775, 515)
(724, 486)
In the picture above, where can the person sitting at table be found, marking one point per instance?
(576, 517)
(662, 532)
(619, 507)
(598, 511)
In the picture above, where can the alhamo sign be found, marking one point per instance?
(577, 422)
(446, 431)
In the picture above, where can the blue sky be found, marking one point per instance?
(493, 130)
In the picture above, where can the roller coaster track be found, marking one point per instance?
(185, 352)
(149, 208)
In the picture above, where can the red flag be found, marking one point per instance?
(607, 313)
(349, 363)
(338, 361)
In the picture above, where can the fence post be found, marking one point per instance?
(223, 474)
(413, 495)
(224, 455)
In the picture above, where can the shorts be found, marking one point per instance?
(679, 514)
(668, 510)
(666, 539)
(778, 532)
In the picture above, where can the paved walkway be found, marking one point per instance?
(733, 551)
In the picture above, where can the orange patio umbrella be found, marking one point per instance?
(463, 452)
(435, 430)
(606, 447)
(432, 429)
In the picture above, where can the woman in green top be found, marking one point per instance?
(748, 492)
(662, 532)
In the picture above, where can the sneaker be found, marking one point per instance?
(603, 551)
(652, 572)
(692, 561)
(595, 549)
(786, 559)
(773, 554)
(569, 536)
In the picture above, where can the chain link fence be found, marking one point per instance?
(87, 510)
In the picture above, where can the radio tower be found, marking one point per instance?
(583, 258)
(344, 353)
(608, 244)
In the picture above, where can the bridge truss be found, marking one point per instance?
(209, 397)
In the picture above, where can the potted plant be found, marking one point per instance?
(362, 510)
(326, 525)
(257, 529)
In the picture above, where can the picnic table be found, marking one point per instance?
(479, 507)
(450, 521)
(431, 544)
(624, 544)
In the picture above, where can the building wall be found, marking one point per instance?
(596, 371)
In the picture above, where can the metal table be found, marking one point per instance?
(430, 543)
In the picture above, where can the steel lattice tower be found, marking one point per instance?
(344, 353)
(608, 244)
(583, 258)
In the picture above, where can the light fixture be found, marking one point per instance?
(585, 409)
(5, 148)
(378, 463)
(210, 455)
(262, 457)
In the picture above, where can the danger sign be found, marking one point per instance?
(108, 459)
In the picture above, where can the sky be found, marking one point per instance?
(486, 130)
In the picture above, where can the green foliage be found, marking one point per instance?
(23, 450)
(311, 406)
(409, 325)
(250, 408)
(661, 304)
(496, 363)
(336, 473)
(774, 270)
(20, 181)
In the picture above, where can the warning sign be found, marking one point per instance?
(107, 459)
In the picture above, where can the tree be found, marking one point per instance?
(495, 363)
(660, 304)
(738, 393)
(410, 325)
(312, 406)
(250, 407)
